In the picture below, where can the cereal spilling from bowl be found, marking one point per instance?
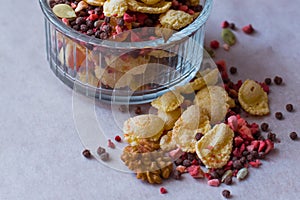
(206, 138)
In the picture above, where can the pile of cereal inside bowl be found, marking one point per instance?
(106, 19)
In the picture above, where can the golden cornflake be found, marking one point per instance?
(169, 117)
(215, 147)
(253, 98)
(168, 101)
(175, 19)
(115, 8)
(214, 100)
(158, 8)
(95, 2)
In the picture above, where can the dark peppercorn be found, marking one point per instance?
(243, 160)
(233, 70)
(90, 23)
(120, 22)
(245, 153)
(226, 193)
(289, 107)
(107, 20)
(100, 150)
(80, 20)
(220, 172)
(293, 135)
(237, 164)
(83, 27)
(90, 32)
(250, 157)
(268, 81)
(214, 175)
(177, 174)
(254, 154)
(277, 80)
(228, 180)
(232, 26)
(103, 36)
(86, 153)
(190, 156)
(138, 110)
(272, 136)
(278, 115)
(264, 127)
(178, 161)
(187, 163)
(148, 22)
(198, 136)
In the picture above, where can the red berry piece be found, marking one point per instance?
(163, 190)
(225, 24)
(248, 29)
(118, 138)
(111, 144)
(214, 44)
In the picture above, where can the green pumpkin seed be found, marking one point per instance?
(228, 37)
(242, 173)
(64, 11)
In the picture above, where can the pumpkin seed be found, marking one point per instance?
(242, 173)
(64, 11)
(228, 37)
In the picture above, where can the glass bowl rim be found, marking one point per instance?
(175, 38)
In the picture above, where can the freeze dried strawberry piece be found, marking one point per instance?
(221, 64)
(262, 146)
(254, 128)
(195, 171)
(127, 18)
(233, 123)
(238, 141)
(245, 133)
(255, 163)
(265, 87)
(270, 146)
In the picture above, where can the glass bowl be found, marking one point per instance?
(125, 72)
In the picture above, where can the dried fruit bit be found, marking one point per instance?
(118, 138)
(163, 190)
(248, 29)
(278, 80)
(110, 144)
(215, 147)
(228, 37)
(253, 98)
(64, 11)
(195, 171)
(214, 182)
(289, 107)
(100, 151)
(226, 194)
(279, 115)
(214, 44)
(226, 47)
(104, 156)
(264, 127)
(233, 70)
(242, 173)
(268, 81)
(293, 135)
(86, 153)
(225, 24)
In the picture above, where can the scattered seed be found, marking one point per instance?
(279, 115)
(64, 11)
(226, 193)
(242, 173)
(289, 107)
(233, 70)
(228, 37)
(163, 190)
(272, 136)
(104, 156)
(293, 135)
(264, 127)
(86, 153)
(278, 80)
(100, 151)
